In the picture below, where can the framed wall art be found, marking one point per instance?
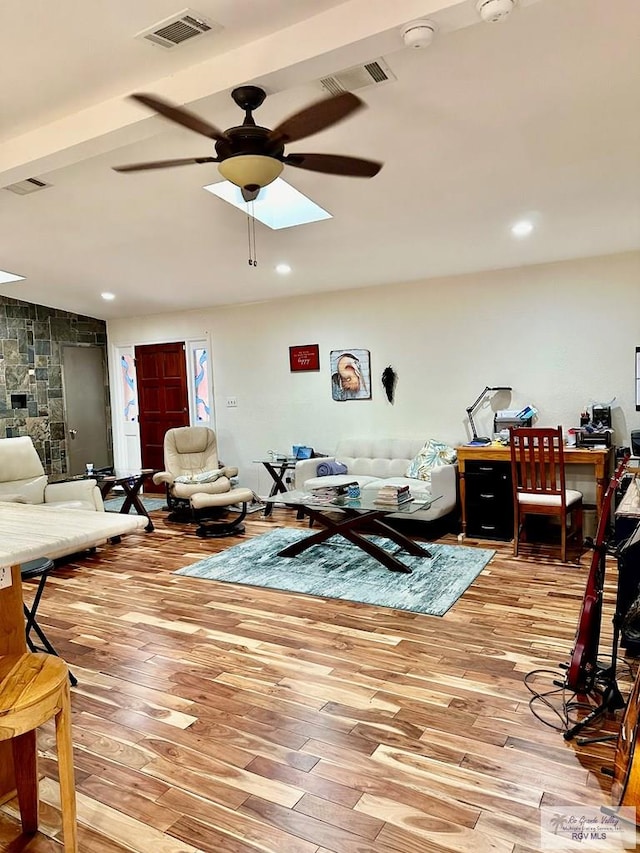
(350, 374)
(306, 357)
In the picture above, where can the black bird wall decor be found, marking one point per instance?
(389, 381)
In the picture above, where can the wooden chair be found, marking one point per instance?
(34, 688)
(539, 488)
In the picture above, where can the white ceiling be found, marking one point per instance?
(536, 117)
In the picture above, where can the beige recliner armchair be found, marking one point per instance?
(22, 480)
(192, 466)
(198, 485)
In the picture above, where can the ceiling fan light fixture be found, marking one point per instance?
(494, 11)
(246, 170)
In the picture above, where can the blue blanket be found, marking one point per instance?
(325, 469)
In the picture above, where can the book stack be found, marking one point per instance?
(393, 495)
(327, 494)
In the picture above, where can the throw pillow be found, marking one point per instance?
(432, 455)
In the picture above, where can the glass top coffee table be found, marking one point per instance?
(352, 518)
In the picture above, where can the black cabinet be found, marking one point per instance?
(488, 499)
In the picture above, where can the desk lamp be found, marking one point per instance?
(471, 409)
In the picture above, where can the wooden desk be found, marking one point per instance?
(600, 460)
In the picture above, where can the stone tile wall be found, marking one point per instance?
(31, 339)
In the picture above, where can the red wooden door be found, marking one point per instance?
(161, 371)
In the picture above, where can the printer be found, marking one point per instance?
(504, 419)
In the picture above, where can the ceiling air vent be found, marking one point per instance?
(178, 29)
(369, 74)
(29, 185)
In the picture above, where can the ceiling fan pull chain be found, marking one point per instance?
(253, 228)
(251, 235)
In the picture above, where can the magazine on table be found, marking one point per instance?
(327, 494)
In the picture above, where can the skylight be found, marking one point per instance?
(279, 205)
(6, 277)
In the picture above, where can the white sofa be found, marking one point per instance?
(22, 480)
(373, 462)
(35, 514)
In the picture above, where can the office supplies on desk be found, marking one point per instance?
(480, 440)
(506, 418)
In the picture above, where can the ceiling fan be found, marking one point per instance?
(251, 156)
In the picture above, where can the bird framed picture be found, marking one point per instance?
(350, 374)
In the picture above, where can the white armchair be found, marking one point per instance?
(192, 466)
(23, 480)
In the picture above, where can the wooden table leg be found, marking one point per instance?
(408, 545)
(462, 495)
(12, 641)
(350, 527)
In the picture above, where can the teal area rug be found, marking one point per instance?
(338, 569)
(114, 504)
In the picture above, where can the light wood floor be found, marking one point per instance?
(212, 717)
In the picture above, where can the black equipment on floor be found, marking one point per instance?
(39, 569)
(628, 604)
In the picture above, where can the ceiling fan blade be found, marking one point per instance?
(163, 164)
(250, 192)
(316, 117)
(334, 164)
(181, 116)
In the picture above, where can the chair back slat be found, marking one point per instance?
(537, 461)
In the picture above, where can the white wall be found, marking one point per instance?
(562, 335)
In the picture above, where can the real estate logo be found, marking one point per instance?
(587, 828)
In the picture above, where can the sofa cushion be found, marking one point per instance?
(433, 454)
(31, 490)
(84, 505)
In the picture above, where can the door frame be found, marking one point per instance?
(108, 420)
(127, 452)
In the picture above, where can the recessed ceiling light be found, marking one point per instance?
(108, 296)
(279, 205)
(283, 269)
(6, 277)
(522, 228)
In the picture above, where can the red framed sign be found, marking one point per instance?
(305, 357)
